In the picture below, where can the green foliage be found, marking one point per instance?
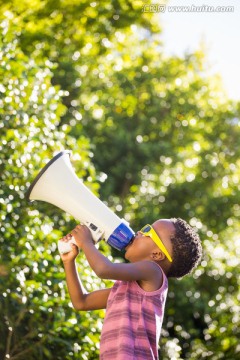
(37, 318)
(163, 138)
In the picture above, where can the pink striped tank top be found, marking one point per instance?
(133, 322)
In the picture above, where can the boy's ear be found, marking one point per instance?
(157, 255)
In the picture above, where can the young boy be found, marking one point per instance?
(135, 304)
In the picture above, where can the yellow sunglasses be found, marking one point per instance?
(148, 230)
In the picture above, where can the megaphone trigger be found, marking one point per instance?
(97, 233)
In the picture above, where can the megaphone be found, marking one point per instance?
(58, 185)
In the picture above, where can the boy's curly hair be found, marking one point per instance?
(187, 249)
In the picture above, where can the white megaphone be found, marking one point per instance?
(58, 184)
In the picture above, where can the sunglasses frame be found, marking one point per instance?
(154, 236)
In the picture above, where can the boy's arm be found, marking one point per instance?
(143, 271)
(81, 300)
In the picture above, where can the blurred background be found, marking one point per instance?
(148, 102)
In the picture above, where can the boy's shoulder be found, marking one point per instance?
(154, 276)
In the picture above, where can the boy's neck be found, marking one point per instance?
(164, 266)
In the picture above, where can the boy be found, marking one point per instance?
(135, 304)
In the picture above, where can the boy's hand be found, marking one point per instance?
(71, 255)
(82, 235)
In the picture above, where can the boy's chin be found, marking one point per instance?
(126, 255)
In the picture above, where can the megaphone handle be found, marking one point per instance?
(97, 234)
(65, 247)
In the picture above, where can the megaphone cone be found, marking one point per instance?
(58, 184)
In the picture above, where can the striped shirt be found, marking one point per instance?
(133, 322)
